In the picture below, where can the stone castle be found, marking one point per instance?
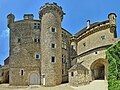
(44, 53)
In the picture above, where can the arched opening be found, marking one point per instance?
(34, 79)
(99, 70)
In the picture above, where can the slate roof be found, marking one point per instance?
(77, 66)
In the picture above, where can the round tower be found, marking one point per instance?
(51, 16)
(10, 19)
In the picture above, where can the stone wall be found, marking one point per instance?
(100, 38)
(78, 75)
(23, 50)
(66, 63)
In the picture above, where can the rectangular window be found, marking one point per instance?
(65, 46)
(62, 45)
(64, 35)
(52, 59)
(21, 72)
(53, 29)
(37, 40)
(72, 74)
(36, 25)
(37, 56)
(53, 45)
(19, 40)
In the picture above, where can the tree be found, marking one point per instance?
(113, 57)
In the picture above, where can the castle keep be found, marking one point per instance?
(44, 53)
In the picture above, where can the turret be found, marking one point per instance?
(10, 19)
(112, 21)
(51, 16)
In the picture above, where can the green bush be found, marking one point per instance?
(113, 57)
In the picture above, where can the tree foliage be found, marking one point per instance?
(113, 57)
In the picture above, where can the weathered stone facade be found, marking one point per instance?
(44, 53)
(91, 44)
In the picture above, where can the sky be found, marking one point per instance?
(77, 13)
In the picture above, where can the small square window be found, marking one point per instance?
(53, 45)
(35, 23)
(35, 26)
(52, 59)
(103, 37)
(37, 56)
(53, 29)
(36, 40)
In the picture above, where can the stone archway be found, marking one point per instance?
(99, 69)
(34, 79)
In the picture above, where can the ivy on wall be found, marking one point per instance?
(113, 57)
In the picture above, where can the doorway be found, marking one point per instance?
(34, 79)
(99, 69)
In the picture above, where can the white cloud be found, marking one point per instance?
(4, 33)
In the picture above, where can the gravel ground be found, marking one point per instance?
(95, 85)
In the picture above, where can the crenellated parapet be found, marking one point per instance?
(51, 8)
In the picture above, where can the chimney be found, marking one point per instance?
(88, 24)
(28, 16)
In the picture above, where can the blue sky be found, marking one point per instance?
(77, 12)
